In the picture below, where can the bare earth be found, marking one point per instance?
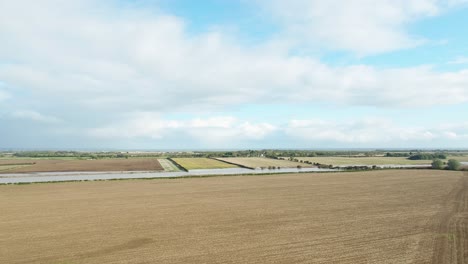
(404, 216)
(56, 165)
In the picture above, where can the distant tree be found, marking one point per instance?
(437, 164)
(453, 164)
(427, 156)
(299, 166)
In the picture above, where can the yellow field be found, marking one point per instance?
(202, 163)
(263, 162)
(407, 216)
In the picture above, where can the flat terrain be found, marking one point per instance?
(168, 165)
(56, 165)
(339, 161)
(459, 158)
(264, 162)
(407, 216)
(202, 163)
(10, 167)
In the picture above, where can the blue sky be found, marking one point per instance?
(233, 74)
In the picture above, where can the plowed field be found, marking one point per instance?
(56, 165)
(392, 216)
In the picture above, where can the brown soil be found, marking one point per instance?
(394, 216)
(53, 165)
(452, 244)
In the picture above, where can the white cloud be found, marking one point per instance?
(3, 95)
(459, 60)
(455, 131)
(213, 130)
(226, 130)
(114, 60)
(371, 131)
(361, 26)
(34, 116)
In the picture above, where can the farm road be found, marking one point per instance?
(451, 245)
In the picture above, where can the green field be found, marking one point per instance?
(339, 161)
(202, 163)
(459, 158)
(168, 165)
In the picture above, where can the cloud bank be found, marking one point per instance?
(148, 61)
(227, 130)
(104, 70)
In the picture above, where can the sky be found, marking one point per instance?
(233, 74)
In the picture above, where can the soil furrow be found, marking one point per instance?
(453, 231)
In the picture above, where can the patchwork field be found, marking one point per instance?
(263, 162)
(56, 165)
(404, 216)
(337, 161)
(202, 163)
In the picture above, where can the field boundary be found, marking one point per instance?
(168, 165)
(177, 164)
(232, 163)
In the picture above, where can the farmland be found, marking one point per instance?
(403, 216)
(263, 162)
(202, 163)
(72, 165)
(337, 161)
(168, 165)
(463, 158)
(10, 167)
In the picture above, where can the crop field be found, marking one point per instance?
(168, 165)
(5, 162)
(10, 167)
(337, 161)
(404, 216)
(459, 158)
(202, 163)
(57, 165)
(263, 162)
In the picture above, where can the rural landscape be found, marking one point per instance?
(234, 132)
(356, 213)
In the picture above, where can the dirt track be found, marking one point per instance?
(404, 216)
(452, 244)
